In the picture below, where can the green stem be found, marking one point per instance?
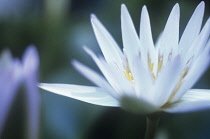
(152, 125)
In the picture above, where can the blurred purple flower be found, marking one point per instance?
(13, 74)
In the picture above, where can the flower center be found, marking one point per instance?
(151, 65)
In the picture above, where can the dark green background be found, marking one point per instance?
(59, 36)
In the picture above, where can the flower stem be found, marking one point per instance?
(152, 125)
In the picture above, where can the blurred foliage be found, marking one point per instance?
(60, 29)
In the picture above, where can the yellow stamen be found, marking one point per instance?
(185, 71)
(160, 63)
(128, 75)
(151, 66)
(153, 76)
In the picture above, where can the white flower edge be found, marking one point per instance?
(89, 94)
(97, 96)
(193, 100)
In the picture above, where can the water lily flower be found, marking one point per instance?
(14, 74)
(146, 77)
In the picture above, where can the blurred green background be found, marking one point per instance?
(59, 29)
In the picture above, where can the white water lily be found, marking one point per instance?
(144, 77)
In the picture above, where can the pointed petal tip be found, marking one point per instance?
(176, 7)
(201, 6)
(144, 11)
(123, 5)
(93, 19)
(92, 16)
(77, 65)
(202, 3)
(123, 8)
(144, 7)
(74, 61)
(84, 47)
(87, 50)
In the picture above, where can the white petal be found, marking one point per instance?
(130, 38)
(170, 36)
(199, 43)
(125, 86)
(131, 41)
(146, 40)
(93, 95)
(103, 69)
(193, 100)
(95, 78)
(109, 47)
(192, 29)
(195, 72)
(166, 81)
(112, 74)
(143, 79)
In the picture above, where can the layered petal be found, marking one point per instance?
(142, 80)
(193, 100)
(95, 78)
(109, 47)
(199, 43)
(111, 72)
(192, 29)
(104, 69)
(166, 82)
(169, 39)
(93, 95)
(146, 41)
(130, 38)
(194, 73)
